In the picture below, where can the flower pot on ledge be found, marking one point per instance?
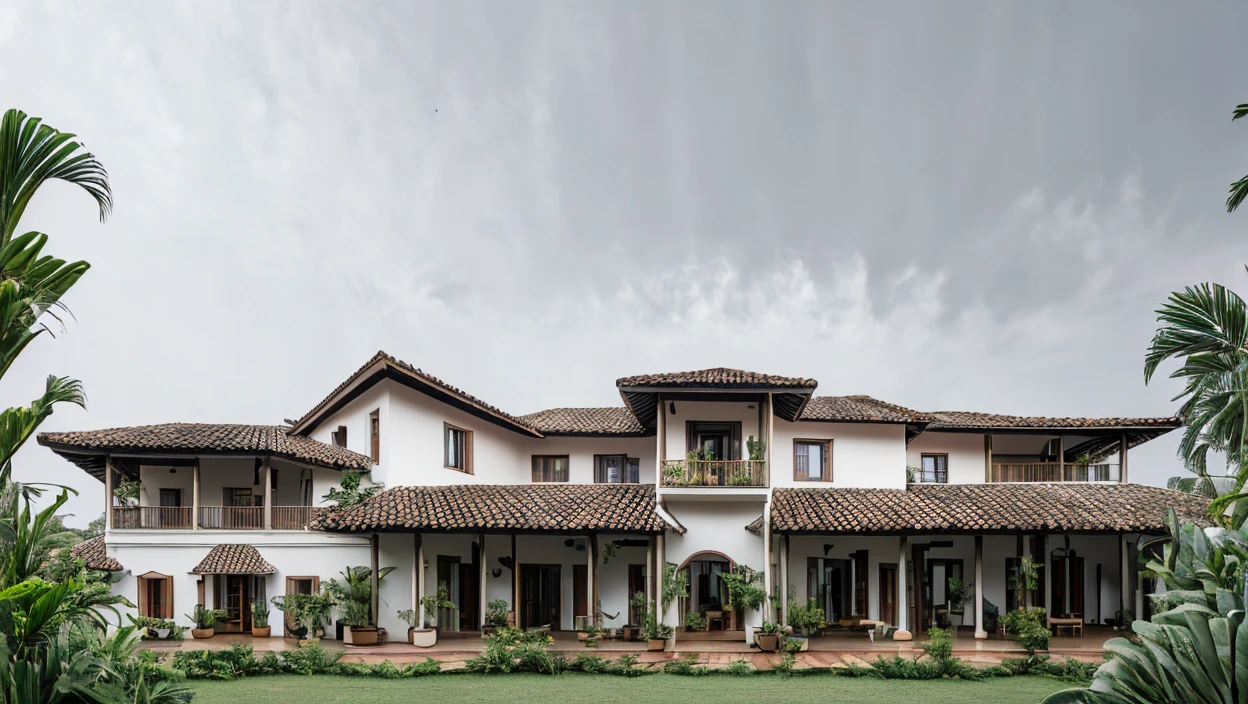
(767, 642)
(655, 644)
(363, 635)
(261, 631)
(202, 633)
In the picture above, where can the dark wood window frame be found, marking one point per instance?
(938, 476)
(825, 470)
(465, 452)
(374, 434)
(339, 437)
(601, 478)
(730, 428)
(541, 463)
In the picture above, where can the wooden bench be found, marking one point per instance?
(1074, 623)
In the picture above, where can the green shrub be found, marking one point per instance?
(422, 669)
(785, 666)
(589, 664)
(739, 668)
(1015, 620)
(309, 660)
(625, 665)
(685, 667)
(899, 668)
(939, 645)
(1069, 669)
(1033, 637)
(515, 650)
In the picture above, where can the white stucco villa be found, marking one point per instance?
(866, 507)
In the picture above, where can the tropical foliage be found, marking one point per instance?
(1239, 189)
(354, 593)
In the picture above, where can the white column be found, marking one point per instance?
(108, 493)
(589, 581)
(268, 494)
(420, 580)
(374, 548)
(1042, 561)
(659, 565)
(649, 577)
(979, 588)
(766, 562)
(784, 578)
(903, 608)
(195, 497)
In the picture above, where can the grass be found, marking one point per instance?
(606, 689)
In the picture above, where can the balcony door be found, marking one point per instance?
(714, 441)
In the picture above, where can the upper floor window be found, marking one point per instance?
(935, 469)
(374, 434)
(616, 469)
(812, 460)
(550, 468)
(340, 436)
(458, 448)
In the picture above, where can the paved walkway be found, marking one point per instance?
(839, 650)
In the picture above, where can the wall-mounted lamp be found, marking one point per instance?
(496, 572)
(426, 565)
(173, 470)
(671, 407)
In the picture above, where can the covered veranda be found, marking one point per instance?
(560, 556)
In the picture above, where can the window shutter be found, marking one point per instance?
(167, 602)
(144, 607)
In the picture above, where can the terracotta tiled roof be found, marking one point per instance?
(585, 421)
(981, 508)
(233, 559)
(564, 508)
(716, 378)
(206, 438)
(861, 409)
(94, 552)
(402, 368)
(960, 420)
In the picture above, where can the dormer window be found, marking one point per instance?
(458, 448)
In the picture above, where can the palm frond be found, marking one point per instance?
(30, 154)
(1240, 110)
(1205, 319)
(1239, 191)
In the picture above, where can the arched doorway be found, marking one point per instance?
(704, 613)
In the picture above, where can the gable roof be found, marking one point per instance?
(715, 378)
(384, 366)
(476, 508)
(233, 559)
(94, 552)
(616, 420)
(981, 508)
(89, 448)
(858, 409)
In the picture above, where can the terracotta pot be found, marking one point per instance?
(363, 635)
(655, 644)
(631, 633)
(261, 631)
(582, 636)
(202, 632)
(422, 637)
(767, 642)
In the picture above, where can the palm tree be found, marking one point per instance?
(1206, 326)
(1239, 189)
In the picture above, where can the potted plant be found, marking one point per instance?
(427, 637)
(695, 621)
(632, 631)
(260, 619)
(358, 631)
(956, 597)
(496, 613)
(204, 620)
(656, 635)
(317, 608)
(767, 637)
(592, 636)
(354, 595)
(295, 607)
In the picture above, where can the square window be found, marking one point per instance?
(458, 448)
(812, 460)
(550, 468)
(935, 469)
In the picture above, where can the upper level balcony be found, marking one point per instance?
(1055, 472)
(714, 473)
(212, 518)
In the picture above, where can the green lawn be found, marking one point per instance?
(564, 689)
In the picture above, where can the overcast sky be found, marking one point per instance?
(950, 206)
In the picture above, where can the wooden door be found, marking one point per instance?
(580, 587)
(238, 603)
(469, 597)
(888, 594)
(636, 583)
(861, 594)
(539, 596)
(300, 585)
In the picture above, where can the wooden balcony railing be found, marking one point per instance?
(292, 517)
(1055, 472)
(231, 517)
(152, 517)
(715, 473)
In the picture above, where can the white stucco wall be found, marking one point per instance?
(581, 451)
(354, 416)
(712, 411)
(863, 454)
(965, 451)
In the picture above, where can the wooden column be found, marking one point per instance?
(268, 494)
(1125, 592)
(659, 567)
(108, 493)
(1042, 563)
(515, 583)
(374, 547)
(987, 459)
(195, 497)
(1061, 458)
(483, 597)
(1122, 458)
(979, 588)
